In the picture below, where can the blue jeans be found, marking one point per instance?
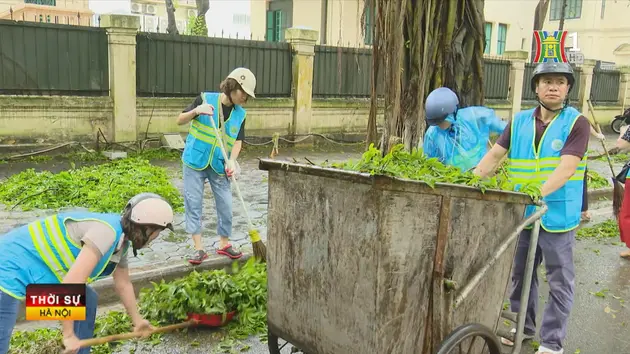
(9, 307)
(193, 200)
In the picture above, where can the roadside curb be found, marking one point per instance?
(142, 277)
(600, 193)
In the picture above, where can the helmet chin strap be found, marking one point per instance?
(564, 105)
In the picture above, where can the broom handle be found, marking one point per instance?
(130, 335)
(599, 130)
(225, 157)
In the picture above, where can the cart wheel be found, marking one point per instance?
(469, 339)
(276, 345)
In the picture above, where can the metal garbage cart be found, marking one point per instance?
(374, 264)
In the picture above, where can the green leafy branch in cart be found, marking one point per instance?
(416, 166)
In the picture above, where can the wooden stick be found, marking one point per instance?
(599, 130)
(117, 337)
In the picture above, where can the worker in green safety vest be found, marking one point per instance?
(78, 247)
(547, 145)
(203, 159)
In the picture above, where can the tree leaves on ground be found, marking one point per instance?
(100, 188)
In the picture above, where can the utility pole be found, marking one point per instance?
(562, 14)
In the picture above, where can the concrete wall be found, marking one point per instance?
(64, 119)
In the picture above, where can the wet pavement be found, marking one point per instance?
(598, 322)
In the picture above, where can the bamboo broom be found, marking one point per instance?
(618, 188)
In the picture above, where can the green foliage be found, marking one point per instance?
(41, 341)
(595, 180)
(208, 292)
(197, 26)
(604, 230)
(101, 188)
(49, 340)
(416, 166)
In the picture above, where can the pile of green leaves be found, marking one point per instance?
(101, 188)
(49, 340)
(416, 166)
(210, 292)
(605, 230)
(595, 180)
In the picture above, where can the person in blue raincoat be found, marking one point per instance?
(458, 136)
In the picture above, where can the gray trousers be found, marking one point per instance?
(557, 251)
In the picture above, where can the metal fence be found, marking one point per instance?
(529, 95)
(51, 59)
(605, 87)
(496, 78)
(172, 65)
(342, 72)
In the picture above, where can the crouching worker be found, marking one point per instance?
(458, 137)
(78, 247)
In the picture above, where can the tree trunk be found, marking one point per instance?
(170, 12)
(200, 26)
(562, 15)
(539, 20)
(422, 45)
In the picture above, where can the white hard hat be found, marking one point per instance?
(150, 209)
(246, 79)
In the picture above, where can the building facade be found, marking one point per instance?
(71, 12)
(601, 26)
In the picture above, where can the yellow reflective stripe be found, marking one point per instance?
(59, 241)
(204, 128)
(199, 135)
(540, 174)
(523, 161)
(10, 293)
(44, 250)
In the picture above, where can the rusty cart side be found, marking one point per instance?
(375, 264)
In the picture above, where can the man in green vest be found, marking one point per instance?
(547, 144)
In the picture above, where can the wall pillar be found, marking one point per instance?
(517, 73)
(121, 37)
(302, 43)
(586, 83)
(624, 87)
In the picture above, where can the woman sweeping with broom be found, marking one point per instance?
(205, 157)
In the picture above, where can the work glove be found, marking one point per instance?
(204, 109)
(600, 136)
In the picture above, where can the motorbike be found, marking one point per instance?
(620, 121)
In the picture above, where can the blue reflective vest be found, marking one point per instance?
(526, 166)
(202, 149)
(465, 142)
(41, 252)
